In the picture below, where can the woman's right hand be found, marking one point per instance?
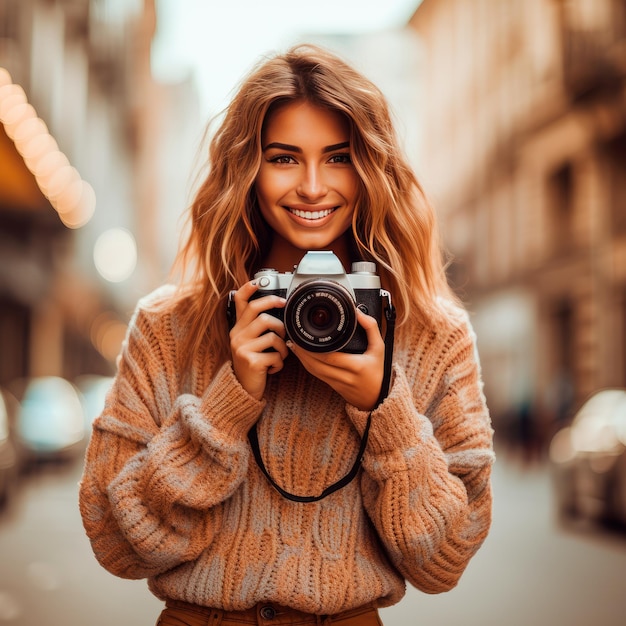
(257, 340)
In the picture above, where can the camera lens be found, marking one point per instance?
(320, 316)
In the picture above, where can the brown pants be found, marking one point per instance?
(264, 614)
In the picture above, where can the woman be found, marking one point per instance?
(304, 160)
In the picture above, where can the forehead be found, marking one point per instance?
(301, 123)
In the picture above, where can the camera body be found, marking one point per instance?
(320, 313)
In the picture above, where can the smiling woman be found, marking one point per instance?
(222, 468)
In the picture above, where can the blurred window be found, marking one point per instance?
(564, 320)
(561, 206)
(8, 19)
(563, 375)
(14, 329)
(617, 182)
(592, 32)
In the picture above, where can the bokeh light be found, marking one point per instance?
(72, 198)
(115, 254)
(107, 335)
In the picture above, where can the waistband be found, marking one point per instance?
(268, 614)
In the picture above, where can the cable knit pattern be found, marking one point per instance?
(171, 492)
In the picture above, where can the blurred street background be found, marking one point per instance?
(513, 113)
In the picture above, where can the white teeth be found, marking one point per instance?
(311, 215)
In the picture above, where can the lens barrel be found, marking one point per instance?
(320, 316)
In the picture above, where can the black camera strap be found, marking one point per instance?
(390, 317)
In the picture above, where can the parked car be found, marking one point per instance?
(50, 422)
(8, 454)
(588, 460)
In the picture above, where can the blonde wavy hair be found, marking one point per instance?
(393, 224)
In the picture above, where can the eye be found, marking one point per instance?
(340, 159)
(282, 159)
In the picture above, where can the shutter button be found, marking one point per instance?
(268, 612)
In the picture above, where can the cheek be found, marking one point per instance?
(349, 184)
(261, 188)
(270, 187)
(267, 198)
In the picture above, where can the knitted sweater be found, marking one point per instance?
(171, 491)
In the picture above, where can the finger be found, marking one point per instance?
(259, 325)
(270, 323)
(268, 362)
(372, 330)
(247, 289)
(324, 365)
(251, 341)
(252, 371)
(274, 343)
(248, 310)
(263, 355)
(244, 293)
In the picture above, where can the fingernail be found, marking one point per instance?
(253, 282)
(289, 343)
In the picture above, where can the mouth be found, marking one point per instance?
(311, 215)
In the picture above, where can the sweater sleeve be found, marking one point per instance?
(159, 462)
(426, 484)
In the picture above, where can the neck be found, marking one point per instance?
(283, 256)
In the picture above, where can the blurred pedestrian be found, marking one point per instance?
(266, 471)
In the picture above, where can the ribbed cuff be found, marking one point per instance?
(230, 408)
(396, 425)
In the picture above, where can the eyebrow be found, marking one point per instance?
(289, 148)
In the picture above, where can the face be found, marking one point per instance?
(306, 185)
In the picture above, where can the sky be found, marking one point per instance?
(220, 40)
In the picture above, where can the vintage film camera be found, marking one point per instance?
(320, 313)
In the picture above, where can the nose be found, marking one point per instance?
(312, 185)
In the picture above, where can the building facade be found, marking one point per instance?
(84, 66)
(524, 155)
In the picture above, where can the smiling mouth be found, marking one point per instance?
(311, 215)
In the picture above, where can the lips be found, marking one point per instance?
(311, 215)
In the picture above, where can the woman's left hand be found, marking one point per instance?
(356, 377)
